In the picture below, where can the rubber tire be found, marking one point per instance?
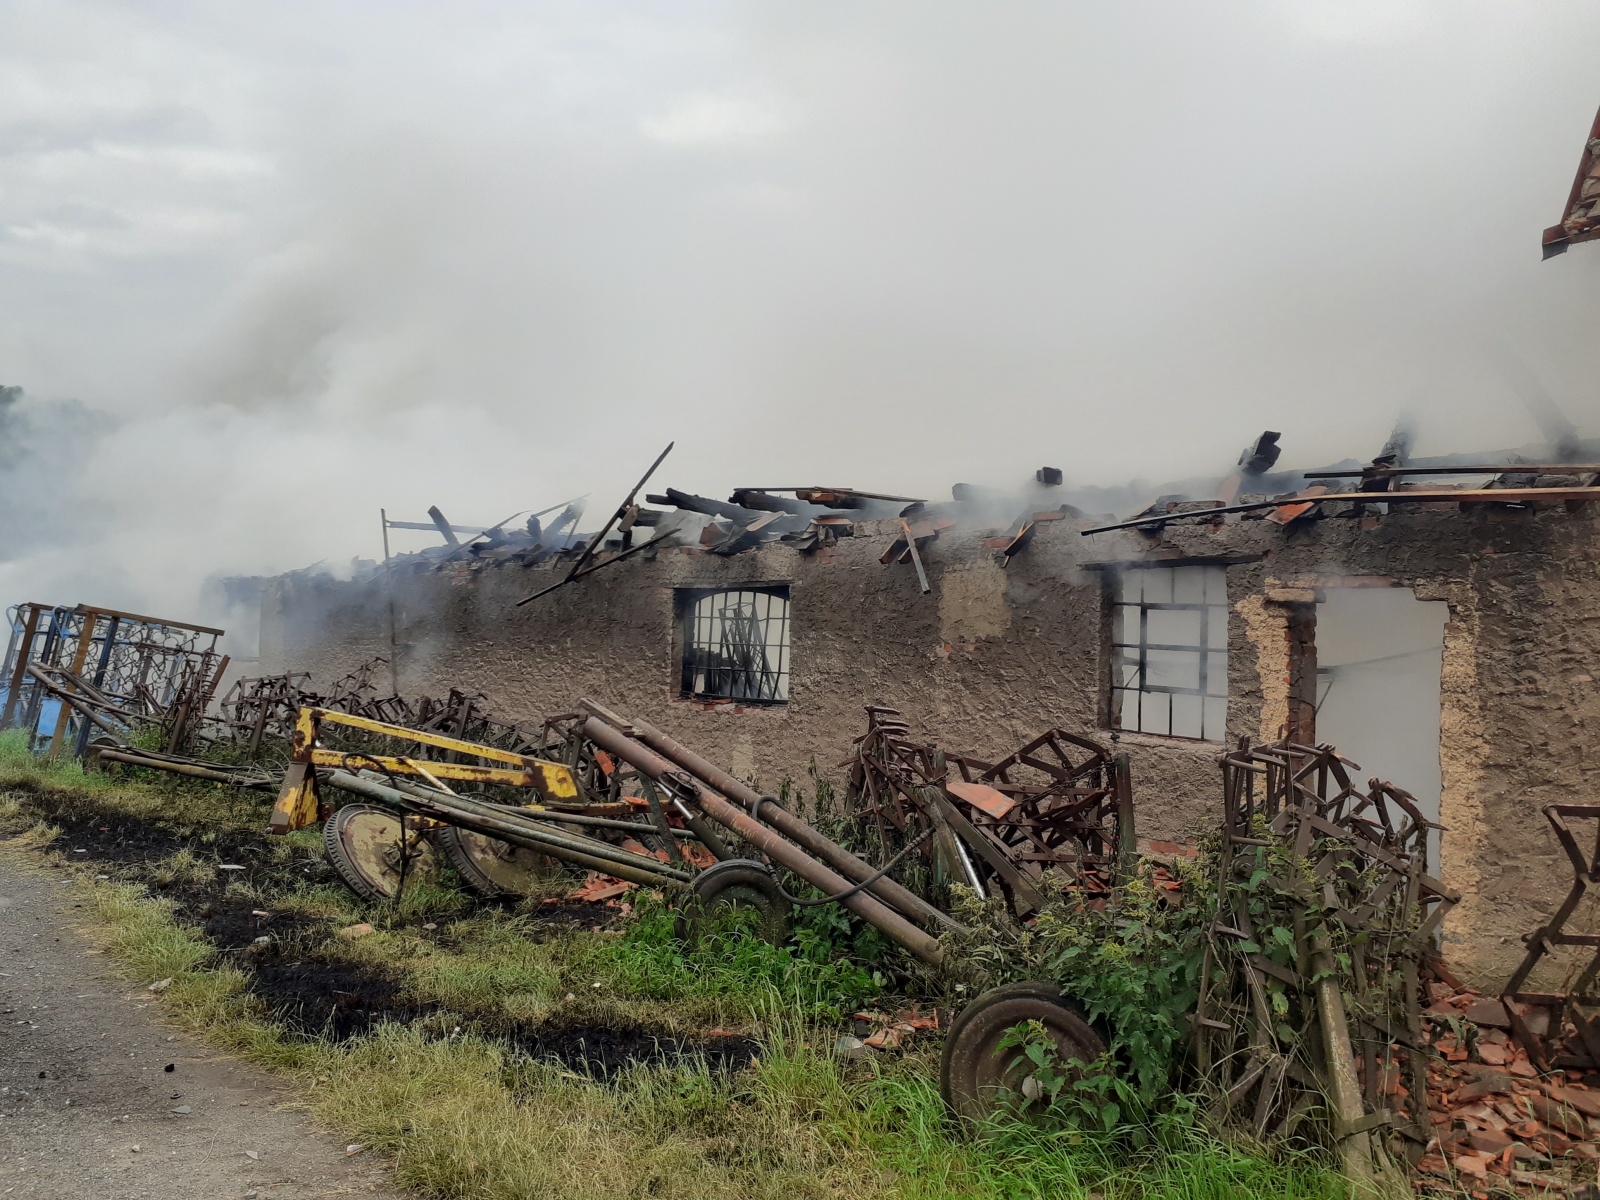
(735, 883)
(355, 879)
(451, 843)
(973, 1071)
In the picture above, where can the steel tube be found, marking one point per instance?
(785, 853)
(791, 826)
(527, 838)
(505, 819)
(135, 759)
(74, 700)
(550, 814)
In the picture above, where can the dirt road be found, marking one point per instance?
(99, 1099)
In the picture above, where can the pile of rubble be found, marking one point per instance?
(1498, 1123)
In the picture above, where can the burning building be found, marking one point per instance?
(1435, 620)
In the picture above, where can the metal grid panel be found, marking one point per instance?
(142, 665)
(1170, 640)
(736, 645)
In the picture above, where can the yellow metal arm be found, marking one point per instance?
(299, 803)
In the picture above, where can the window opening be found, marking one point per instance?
(1170, 640)
(736, 645)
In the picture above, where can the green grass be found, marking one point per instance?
(465, 1118)
(468, 1118)
(134, 791)
(741, 975)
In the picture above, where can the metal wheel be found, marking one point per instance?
(738, 883)
(491, 867)
(977, 1077)
(363, 844)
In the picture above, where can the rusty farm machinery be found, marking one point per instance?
(605, 793)
(597, 791)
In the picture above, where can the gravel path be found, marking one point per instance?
(99, 1099)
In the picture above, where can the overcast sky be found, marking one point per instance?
(265, 268)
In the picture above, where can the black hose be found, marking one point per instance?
(867, 882)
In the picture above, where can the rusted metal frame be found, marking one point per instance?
(137, 758)
(86, 627)
(785, 822)
(452, 807)
(785, 853)
(1025, 895)
(1061, 824)
(74, 700)
(1053, 738)
(65, 680)
(195, 697)
(658, 818)
(164, 622)
(99, 677)
(257, 729)
(24, 652)
(1305, 815)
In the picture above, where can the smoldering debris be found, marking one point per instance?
(811, 520)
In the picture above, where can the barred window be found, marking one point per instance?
(736, 644)
(1170, 637)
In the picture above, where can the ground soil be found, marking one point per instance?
(100, 1099)
(317, 995)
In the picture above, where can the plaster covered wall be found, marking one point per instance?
(993, 656)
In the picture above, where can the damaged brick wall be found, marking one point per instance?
(992, 656)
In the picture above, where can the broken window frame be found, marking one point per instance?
(1139, 591)
(763, 678)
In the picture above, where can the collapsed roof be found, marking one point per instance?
(1580, 221)
(810, 518)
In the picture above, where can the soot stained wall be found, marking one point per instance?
(993, 656)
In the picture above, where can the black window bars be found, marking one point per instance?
(736, 645)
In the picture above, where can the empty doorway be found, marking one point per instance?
(1380, 651)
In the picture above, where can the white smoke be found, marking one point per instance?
(298, 262)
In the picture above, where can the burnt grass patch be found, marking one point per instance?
(311, 994)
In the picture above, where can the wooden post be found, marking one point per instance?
(1366, 1165)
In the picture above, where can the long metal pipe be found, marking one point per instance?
(530, 839)
(75, 701)
(781, 819)
(559, 818)
(134, 758)
(504, 817)
(785, 853)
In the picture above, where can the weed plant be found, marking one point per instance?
(467, 1116)
(811, 977)
(464, 1117)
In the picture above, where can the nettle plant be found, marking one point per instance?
(1133, 966)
